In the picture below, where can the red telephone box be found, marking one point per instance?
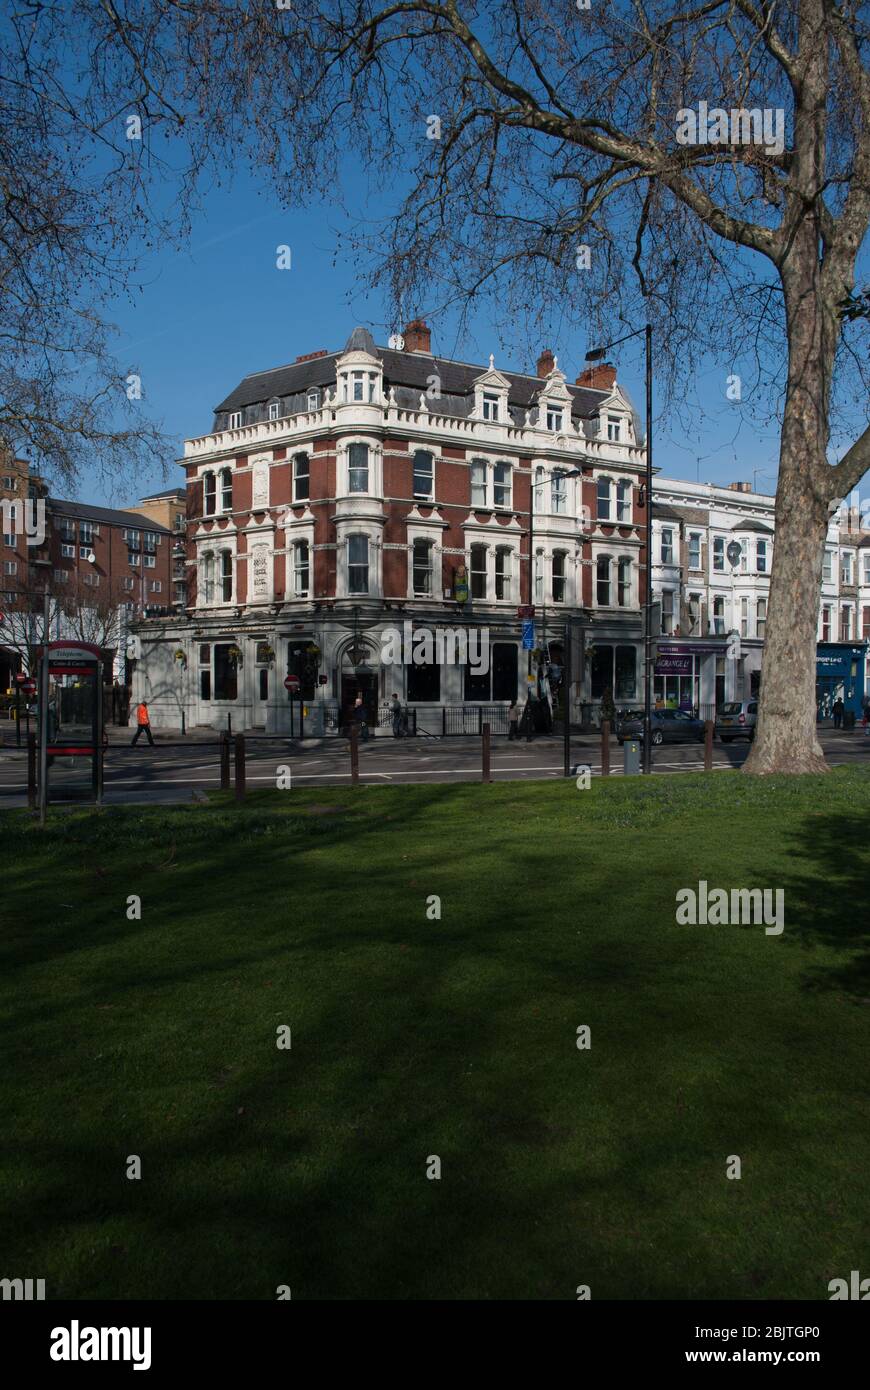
(70, 679)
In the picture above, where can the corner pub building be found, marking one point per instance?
(357, 494)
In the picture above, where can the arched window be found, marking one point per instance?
(623, 583)
(604, 499)
(209, 493)
(301, 569)
(503, 572)
(623, 500)
(207, 575)
(226, 576)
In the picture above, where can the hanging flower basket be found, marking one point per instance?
(180, 657)
(235, 656)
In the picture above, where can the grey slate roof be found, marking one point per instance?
(408, 372)
(83, 511)
(753, 526)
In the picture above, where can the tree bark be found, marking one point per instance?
(785, 738)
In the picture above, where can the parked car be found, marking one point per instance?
(667, 726)
(737, 720)
(625, 717)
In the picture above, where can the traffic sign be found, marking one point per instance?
(20, 677)
(291, 683)
(526, 610)
(528, 634)
(28, 687)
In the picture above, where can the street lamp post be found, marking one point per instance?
(594, 355)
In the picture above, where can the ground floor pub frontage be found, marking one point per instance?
(271, 674)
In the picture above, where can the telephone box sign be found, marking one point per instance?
(72, 658)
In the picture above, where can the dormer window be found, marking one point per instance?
(554, 418)
(614, 429)
(313, 400)
(235, 420)
(490, 405)
(274, 407)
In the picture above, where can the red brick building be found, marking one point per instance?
(348, 494)
(102, 568)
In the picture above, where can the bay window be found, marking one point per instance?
(358, 468)
(358, 564)
(559, 576)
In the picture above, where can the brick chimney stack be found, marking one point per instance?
(600, 376)
(417, 337)
(546, 363)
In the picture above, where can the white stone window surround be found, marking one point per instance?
(215, 540)
(614, 405)
(495, 536)
(492, 383)
(369, 367)
(541, 482)
(376, 466)
(373, 530)
(431, 529)
(615, 553)
(297, 529)
(545, 548)
(424, 446)
(554, 395)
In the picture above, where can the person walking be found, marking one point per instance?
(359, 714)
(396, 716)
(143, 723)
(513, 720)
(837, 712)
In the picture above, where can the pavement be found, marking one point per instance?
(181, 770)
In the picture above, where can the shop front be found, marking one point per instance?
(840, 668)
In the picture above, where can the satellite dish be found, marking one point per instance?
(734, 551)
(397, 342)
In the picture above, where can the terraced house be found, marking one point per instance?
(350, 495)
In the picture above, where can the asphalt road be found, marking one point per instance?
(182, 771)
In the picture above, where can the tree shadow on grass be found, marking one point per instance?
(827, 898)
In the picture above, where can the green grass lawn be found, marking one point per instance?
(457, 1038)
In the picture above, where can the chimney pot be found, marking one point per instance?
(417, 337)
(546, 363)
(310, 356)
(600, 376)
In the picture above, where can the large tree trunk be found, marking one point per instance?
(785, 739)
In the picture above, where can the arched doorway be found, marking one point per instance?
(358, 674)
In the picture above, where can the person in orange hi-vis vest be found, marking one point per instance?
(143, 723)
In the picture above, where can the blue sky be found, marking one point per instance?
(210, 315)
